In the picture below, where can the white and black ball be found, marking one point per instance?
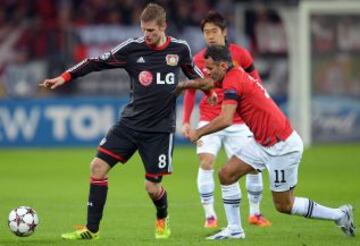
(23, 221)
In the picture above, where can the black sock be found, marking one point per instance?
(161, 204)
(96, 203)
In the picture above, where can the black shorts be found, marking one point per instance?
(155, 149)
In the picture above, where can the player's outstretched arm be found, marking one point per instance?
(204, 84)
(223, 120)
(53, 83)
(188, 106)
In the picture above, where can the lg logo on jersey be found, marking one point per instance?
(169, 79)
(146, 78)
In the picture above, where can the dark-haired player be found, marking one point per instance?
(147, 122)
(275, 145)
(233, 137)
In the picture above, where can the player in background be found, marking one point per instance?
(274, 146)
(233, 137)
(147, 123)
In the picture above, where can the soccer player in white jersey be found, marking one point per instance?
(232, 138)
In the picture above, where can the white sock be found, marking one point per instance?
(206, 187)
(231, 195)
(254, 186)
(310, 209)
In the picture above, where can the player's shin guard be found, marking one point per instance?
(254, 186)
(161, 204)
(96, 202)
(206, 187)
(310, 209)
(231, 195)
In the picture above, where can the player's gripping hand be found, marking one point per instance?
(53, 83)
(193, 136)
(185, 129)
(205, 84)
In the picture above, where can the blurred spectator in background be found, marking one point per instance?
(49, 35)
(45, 36)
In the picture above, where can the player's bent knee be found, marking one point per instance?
(206, 164)
(283, 201)
(152, 188)
(254, 172)
(206, 161)
(226, 177)
(99, 168)
(284, 208)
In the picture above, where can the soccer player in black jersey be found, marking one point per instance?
(147, 122)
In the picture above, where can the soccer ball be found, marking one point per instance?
(23, 221)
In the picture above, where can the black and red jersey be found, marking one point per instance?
(154, 73)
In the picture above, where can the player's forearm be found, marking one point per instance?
(79, 70)
(189, 102)
(87, 66)
(188, 84)
(184, 85)
(215, 125)
(204, 84)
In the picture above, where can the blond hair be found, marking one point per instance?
(154, 12)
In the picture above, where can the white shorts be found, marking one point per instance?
(282, 160)
(233, 138)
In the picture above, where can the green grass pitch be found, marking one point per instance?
(55, 183)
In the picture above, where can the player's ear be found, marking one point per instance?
(163, 26)
(224, 65)
(225, 32)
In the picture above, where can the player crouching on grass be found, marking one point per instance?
(274, 146)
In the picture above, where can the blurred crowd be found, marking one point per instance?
(41, 38)
(40, 25)
(38, 30)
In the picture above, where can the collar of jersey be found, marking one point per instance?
(166, 44)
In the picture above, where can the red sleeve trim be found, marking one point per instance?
(66, 76)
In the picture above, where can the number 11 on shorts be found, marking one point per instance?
(280, 173)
